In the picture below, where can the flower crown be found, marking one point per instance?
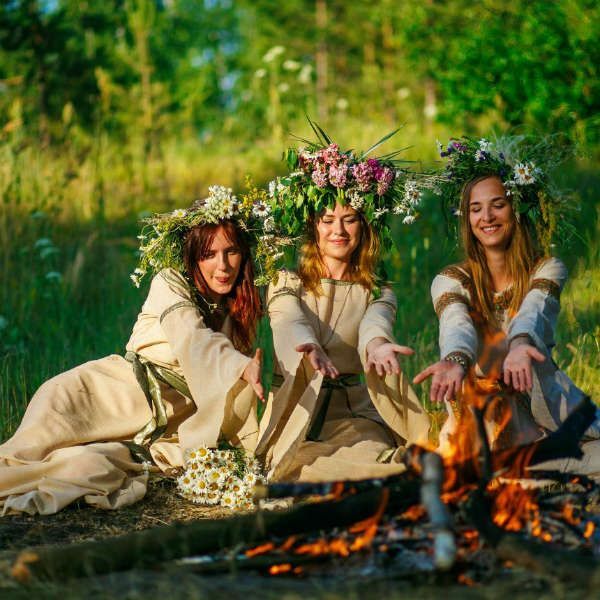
(163, 235)
(321, 174)
(522, 163)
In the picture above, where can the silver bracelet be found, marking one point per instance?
(459, 358)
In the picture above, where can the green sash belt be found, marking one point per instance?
(149, 376)
(341, 382)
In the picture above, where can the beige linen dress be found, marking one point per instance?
(553, 396)
(361, 421)
(69, 443)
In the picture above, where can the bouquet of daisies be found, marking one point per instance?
(224, 477)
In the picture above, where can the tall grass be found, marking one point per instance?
(68, 221)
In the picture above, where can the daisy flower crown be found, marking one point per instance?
(523, 164)
(162, 237)
(321, 175)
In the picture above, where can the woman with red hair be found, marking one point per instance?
(187, 380)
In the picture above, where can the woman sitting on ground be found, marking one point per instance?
(498, 309)
(93, 432)
(340, 406)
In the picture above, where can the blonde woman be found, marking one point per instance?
(340, 407)
(498, 309)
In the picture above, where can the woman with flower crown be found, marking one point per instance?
(340, 406)
(498, 309)
(186, 382)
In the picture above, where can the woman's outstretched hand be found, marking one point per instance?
(447, 379)
(318, 359)
(381, 356)
(252, 374)
(517, 366)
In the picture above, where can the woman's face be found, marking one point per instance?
(220, 266)
(338, 233)
(490, 214)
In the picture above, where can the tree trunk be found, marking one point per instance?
(322, 59)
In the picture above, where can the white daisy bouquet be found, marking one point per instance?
(219, 477)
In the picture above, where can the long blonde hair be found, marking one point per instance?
(363, 261)
(521, 257)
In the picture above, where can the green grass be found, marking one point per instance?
(68, 223)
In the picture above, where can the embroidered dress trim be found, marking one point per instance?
(284, 291)
(182, 304)
(379, 301)
(503, 299)
(337, 281)
(456, 272)
(446, 299)
(548, 286)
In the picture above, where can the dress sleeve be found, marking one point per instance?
(207, 358)
(451, 301)
(378, 320)
(538, 313)
(289, 323)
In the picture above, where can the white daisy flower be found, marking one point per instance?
(179, 213)
(412, 194)
(485, 145)
(356, 200)
(228, 500)
(380, 212)
(261, 209)
(409, 219)
(523, 174)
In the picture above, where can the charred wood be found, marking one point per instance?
(157, 545)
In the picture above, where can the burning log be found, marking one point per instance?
(160, 544)
(539, 557)
(515, 462)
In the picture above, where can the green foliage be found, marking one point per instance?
(113, 109)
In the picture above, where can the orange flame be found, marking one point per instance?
(279, 569)
(262, 549)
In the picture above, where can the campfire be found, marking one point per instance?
(479, 504)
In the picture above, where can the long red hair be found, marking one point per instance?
(243, 301)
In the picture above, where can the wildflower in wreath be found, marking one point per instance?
(321, 175)
(162, 238)
(524, 165)
(224, 477)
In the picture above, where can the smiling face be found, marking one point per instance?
(491, 216)
(220, 265)
(338, 233)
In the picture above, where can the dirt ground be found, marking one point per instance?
(162, 506)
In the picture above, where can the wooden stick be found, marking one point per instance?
(444, 545)
(156, 545)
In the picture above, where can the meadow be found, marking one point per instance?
(69, 217)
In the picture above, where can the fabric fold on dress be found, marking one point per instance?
(72, 441)
(363, 420)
